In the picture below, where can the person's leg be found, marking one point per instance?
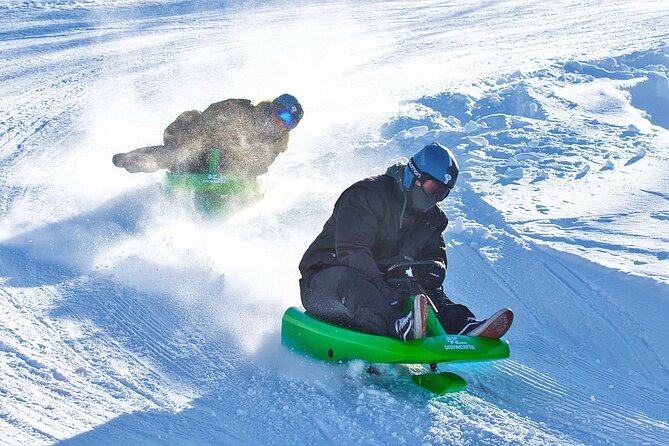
(320, 298)
(345, 296)
(145, 159)
(458, 319)
(453, 317)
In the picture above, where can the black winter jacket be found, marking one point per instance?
(373, 227)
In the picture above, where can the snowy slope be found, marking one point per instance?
(127, 319)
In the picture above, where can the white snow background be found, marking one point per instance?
(126, 319)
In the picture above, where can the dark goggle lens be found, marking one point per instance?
(287, 118)
(436, 188)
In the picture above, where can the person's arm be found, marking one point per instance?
(146, 159)
(435, 250)
(357, 219)
(358, 213)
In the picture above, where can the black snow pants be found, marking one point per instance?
(453, 317)
(347, 297)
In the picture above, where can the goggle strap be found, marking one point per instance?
(414, 169)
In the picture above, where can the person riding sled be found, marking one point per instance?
(378, 223)
(245, 139)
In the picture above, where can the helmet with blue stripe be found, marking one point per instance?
(435, 161)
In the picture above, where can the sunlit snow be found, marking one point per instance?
(127, 318)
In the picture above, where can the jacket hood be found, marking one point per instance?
(396, 172)
(435, 215)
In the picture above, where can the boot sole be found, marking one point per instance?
(496, 326)
(420, 324)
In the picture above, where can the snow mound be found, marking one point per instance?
(551, 143)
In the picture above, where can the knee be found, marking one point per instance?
(305, 293)
(353, 281)
(118, 159)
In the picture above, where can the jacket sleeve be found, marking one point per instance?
(180, 130)
(435, 249)
(357, 220)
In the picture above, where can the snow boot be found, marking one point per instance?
(494, 327)
(414, 324)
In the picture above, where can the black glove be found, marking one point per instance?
(429, 274)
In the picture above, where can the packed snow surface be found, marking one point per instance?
(130, 319)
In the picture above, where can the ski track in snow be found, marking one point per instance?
(121, 316)
(539, 381)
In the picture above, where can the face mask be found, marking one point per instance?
(421, 201)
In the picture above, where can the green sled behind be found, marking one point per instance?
(213, 192)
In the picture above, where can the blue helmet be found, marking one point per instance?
(434, 160)
(288, 109)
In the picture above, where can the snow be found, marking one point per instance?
(127, 318)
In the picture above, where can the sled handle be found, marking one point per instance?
(214, 158)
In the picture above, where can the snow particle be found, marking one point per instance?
(585, 169)
(479, 141)
(453, 121)
(608, 166)
(514, 174)
(534, 108)
(515, 162)
(542, 175)
(472, 127)
(415, 132)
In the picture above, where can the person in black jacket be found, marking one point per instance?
(377, 223)
(248, 137)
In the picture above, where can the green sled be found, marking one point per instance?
(331, 343)
(212, 192)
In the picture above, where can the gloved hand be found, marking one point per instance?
(429, 274)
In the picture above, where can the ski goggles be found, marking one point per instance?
(434, 187)
(287, 118)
